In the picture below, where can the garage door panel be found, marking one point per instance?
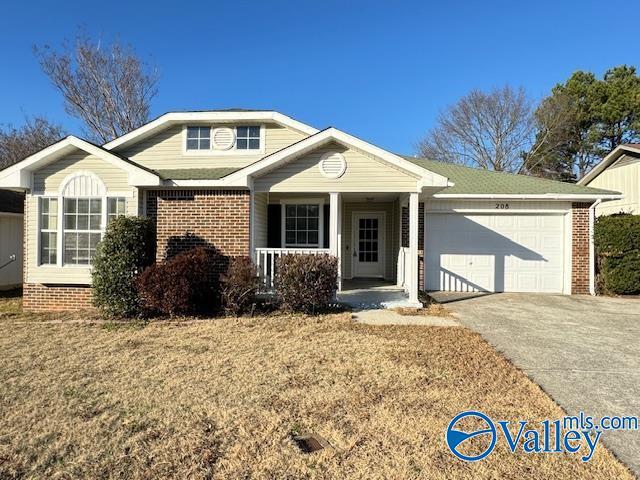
(507, 252)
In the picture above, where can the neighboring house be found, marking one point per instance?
(11, 239)
(619, 171)
(260, 183)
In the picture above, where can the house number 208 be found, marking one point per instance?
(502, 206)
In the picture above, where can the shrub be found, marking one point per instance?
(186, 284)
(617, 243)
(123, 253)
(306, 283)
(239, 285)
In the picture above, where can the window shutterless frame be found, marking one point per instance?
(304, 219)
(255, 134)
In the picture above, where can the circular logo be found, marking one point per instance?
(456, 438)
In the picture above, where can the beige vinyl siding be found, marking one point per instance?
(50, 177)
(259, 219)
(494, 206)
(51, 274)
(165, 150)
(391, 237)
(624, 177)
(363, 174)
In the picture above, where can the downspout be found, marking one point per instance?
(592, 249)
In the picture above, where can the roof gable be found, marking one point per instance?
(610, 159)
(19, 175)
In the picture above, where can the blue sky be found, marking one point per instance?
(379, 70)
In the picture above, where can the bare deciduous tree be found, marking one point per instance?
(107, 87)
(18, 143)
(486, 130)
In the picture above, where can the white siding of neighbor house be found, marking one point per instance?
(622, 176)
(165, 150)
(11, 233)
(49, 179)
(363, 174)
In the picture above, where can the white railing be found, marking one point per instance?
(404, 275)
(266, 262)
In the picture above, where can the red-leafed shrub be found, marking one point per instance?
(238, 286)
(306, 283)
(182, 285)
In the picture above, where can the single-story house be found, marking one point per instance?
(11, 239)
(618, 171)
(260, 183)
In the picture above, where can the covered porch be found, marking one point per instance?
(374, 235)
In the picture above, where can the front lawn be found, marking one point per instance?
(222, 399)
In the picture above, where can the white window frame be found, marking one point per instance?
(233, 151)
(99, 231)
(48, 230)
(117, 213)
(320, 202)
(248, 138)
(199, 139)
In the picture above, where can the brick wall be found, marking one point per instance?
(405, 239)
(580, 249)
(40, 298)
(188, 218)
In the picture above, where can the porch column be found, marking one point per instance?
(335, 231)
(413, 248)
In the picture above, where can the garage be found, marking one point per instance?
(496, 252)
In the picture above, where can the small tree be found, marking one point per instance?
(124, 252)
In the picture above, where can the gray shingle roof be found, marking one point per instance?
(196, 173)
(469, 180)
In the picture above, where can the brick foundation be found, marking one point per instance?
(580, 249)
(55, 298)
(188, 218)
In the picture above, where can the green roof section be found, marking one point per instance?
(475, 181)
(196, 173)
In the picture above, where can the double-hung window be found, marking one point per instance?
(48, 231)
(198, 138)
(248, 138)
(116, 206)
(302, 225)
(82, 229)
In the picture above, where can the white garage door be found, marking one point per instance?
(496, 253)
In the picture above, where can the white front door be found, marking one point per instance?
(368, 244)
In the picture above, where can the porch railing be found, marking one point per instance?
(266, 262)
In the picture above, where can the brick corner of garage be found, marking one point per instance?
(580, 251)
(38, 297)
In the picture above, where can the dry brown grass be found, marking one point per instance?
(221, 399)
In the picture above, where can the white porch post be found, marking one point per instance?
(335, 231)
(413, 248)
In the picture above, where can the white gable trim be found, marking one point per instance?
(270, 162)
(20, 174)
(606, 162)
(174, 118)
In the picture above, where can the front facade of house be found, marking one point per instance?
(262, 184)
(618, 171)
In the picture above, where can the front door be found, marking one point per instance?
(368, 244)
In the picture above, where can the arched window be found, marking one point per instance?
(72, 224)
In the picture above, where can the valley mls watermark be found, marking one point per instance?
(571, 434)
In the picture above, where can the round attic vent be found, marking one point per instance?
(223, 138)
(332, 165)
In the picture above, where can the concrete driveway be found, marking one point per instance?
(583, 351)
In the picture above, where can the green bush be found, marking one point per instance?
(617, 243)
(125, 250)
(186, 284)
(239, 285)
(306, 283)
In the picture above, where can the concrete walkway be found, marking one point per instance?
(584, 351)
(389, 317)
(367, 294)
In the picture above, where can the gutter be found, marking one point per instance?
(592, 249)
